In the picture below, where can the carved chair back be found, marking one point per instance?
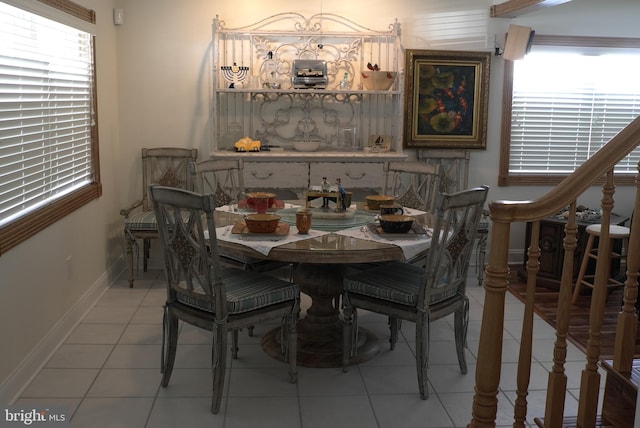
(454, 231)
(221, 177)
(166, 166)
(454, 167)
(414, 184)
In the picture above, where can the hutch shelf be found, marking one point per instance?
(253, 94)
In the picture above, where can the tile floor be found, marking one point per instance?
(107, 374)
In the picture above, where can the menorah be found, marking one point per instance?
(234, 74)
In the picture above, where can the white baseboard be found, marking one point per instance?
(31, 365)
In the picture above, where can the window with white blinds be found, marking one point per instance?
(48, 143)
(566, 103)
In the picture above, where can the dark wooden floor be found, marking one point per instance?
(547, 304)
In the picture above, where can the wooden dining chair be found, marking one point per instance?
(201, 292)
(413, 184)
(167, 166)
(454, 177)
(404, 291)
(224, 179)
(221, 177)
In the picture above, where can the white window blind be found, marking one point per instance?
(566, 106)
(46, 115)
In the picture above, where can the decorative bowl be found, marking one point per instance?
(374, 201)
(261, 201)
(378, 80)
(306, 146)
(262, 223)
(395, 223)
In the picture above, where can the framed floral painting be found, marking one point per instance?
(446, 99)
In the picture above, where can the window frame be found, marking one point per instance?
(506, 179)
(28, 225)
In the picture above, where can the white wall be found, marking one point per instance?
(153, 89)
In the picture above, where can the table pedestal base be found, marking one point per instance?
(320, 332)
(322, 354)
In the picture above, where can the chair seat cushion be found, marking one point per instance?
(252, 263)
(395, 282)
(246, 291)
(144, 220)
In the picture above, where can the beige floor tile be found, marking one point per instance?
(96, 333)
(109, 315)
(402, 355)
(147, 315)
(142, 334)
(194, 356)
(67, 383)
(337, 412)
(261, 382)
(447, 378)
(264, 412)
(130, 412)
(126, 383)
(134, 357)
(314, 382)
(156, 297)
(80, 356)
(190, 383)
(125, 297)
(390, 379)
(413, 411)
(172, 412)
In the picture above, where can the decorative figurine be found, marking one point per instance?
(343, 195)
(325, 187)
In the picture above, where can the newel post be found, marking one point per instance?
(485, 400)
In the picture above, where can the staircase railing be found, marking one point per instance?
(503, 215)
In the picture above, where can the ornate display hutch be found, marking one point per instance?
(256, 93)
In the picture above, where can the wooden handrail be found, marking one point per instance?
(574, 185)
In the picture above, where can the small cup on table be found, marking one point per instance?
(303, 221)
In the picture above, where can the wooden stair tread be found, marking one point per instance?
(572, 422)
(631, 378)
(620, 394)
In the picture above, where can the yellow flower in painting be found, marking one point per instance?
(443, 80)
(427, 105)
(426, 86)
(427, 71)
(443, 122)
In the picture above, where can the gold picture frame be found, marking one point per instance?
(446, 99)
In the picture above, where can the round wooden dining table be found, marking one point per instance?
(319, 267)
